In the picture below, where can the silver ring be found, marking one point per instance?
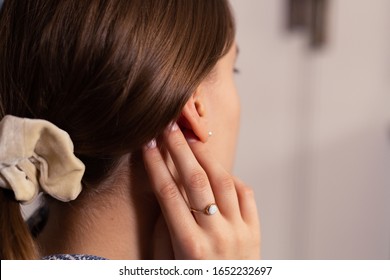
(210, 209)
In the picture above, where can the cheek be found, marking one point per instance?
(230, 109)
(235, 109)
(232, 122)
(224, 123)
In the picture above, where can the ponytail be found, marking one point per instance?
(16, 242)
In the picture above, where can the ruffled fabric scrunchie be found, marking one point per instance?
(36, 155)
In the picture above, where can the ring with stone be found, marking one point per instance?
(210, 209)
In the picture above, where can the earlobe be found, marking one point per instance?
(193, 119)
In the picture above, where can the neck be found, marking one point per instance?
(116, 223)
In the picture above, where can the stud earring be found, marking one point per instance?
(210, 133)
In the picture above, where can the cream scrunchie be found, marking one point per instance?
(35, 155)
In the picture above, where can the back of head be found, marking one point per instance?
(113, 74)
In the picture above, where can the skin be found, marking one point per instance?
(142, 212)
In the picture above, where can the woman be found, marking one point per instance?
(145, 91)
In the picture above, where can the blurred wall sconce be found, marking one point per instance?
(310, 16)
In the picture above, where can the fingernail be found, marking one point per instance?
(173, 126)
(152, 144)
(191, 139)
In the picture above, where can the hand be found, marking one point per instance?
(232, 232)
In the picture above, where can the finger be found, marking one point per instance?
(247, 202)
(194, 178)
(222, 182)
(173, 205)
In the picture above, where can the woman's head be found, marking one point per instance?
(113, 74)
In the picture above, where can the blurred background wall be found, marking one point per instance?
(315, 133)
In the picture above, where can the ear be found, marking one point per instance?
(193, 117)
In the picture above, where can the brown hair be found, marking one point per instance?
(113, 74)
